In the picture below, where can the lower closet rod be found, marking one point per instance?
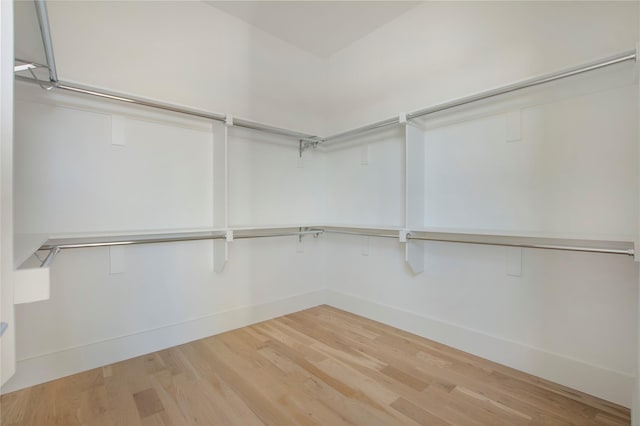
(362, 234)
(54, 249)
(628, 252)
(128, 242)
(314, 232)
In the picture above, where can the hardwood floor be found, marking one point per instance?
(321, 366)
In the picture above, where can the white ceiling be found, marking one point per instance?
(319, 27)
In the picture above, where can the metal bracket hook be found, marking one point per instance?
(308, 143)
(52, 253)
(315, 232)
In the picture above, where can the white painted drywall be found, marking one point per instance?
(571, 318)
(188, 53)
(168, 295)
(364, 181)
(7, 341)
(72, 167)
(270, 185)
(439, 51)
(86, 166)
(572, 170)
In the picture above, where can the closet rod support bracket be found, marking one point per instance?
(47, 260)
(305, 144)
(302, 231)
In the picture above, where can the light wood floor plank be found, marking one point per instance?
(321, 366)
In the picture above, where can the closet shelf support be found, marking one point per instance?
(47, 260)
(308, 143)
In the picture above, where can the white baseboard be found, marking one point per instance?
(40, 369)
(595, 380)
(592, 379)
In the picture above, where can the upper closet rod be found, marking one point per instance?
(188, 111)
(628, 55)
(168, 107)
(43, 19)
(547, 78)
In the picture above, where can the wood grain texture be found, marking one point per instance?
(321, 366)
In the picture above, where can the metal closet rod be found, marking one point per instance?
(54, 249)
(238, 122)
(170, 239)
(368, 233)
(364, 234)
(43, 20)
(134, 100)
(628, 252)
(629, 55)
(129, 241)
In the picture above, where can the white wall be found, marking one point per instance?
(85, 166)
(270, 185)
(88, 170)
(439, 51)
(188, 53)
(7, 341)
(557, 160)
(88, 166)
(168, 295)
(568, 317)
(365, 180)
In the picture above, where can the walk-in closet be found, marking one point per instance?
(319, 212)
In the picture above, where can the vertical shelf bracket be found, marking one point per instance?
(513, 261)
(220, 255)
(414, 195)
(220, 135)
(414, 255)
